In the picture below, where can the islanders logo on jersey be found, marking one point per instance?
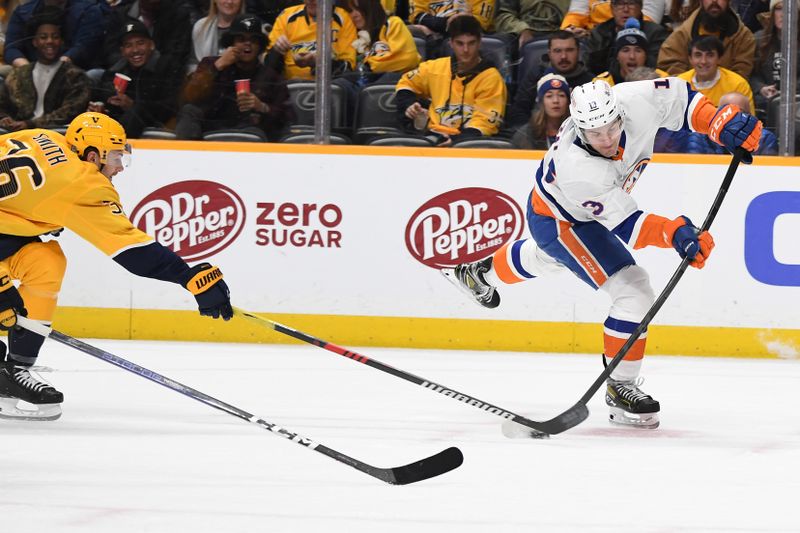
(633, 176)
(462, 225)
(195, 219)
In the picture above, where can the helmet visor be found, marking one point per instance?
(605, 134)
(120, 158)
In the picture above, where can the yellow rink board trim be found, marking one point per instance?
(427, 333)
(402, 151)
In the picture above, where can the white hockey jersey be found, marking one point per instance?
(576, 184)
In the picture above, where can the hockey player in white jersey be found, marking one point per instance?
(580, 213)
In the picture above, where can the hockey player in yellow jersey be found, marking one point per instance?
(48, 183)
(467, 93)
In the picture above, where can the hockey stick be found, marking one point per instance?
(438, 464)
(451, 393)
(578, 412)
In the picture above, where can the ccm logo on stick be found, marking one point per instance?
(759, 238)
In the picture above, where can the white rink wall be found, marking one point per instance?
(362, 233)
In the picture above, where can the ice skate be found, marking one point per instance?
(469, 277)
(630, 406)
(24, 397)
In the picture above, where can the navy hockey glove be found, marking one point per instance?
(689, 241)
(733, 128)
(11, 304)
(213, 297)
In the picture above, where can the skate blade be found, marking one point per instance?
(14, 409)
(513, 430)
(620, 417)
(450, 275)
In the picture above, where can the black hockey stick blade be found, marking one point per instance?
(429, 467)
(433, 466)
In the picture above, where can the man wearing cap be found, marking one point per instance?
(603, 36)
(259, 105)
(150, 97)
(630, 53)
(713, 17)
(168, 22)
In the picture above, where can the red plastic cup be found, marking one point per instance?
(121, 82)
(242, 86)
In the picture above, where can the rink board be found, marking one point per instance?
(346, 242)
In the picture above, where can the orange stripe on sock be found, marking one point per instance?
(612, 346)
(580, 253)
(501, 266)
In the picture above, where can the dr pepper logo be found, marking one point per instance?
(462, 225)
(195, 219)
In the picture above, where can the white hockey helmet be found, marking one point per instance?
(593, 105)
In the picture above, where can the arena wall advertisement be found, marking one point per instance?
(348, 242)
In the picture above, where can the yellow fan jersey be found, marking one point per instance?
(473, 100)
(301, 30)
(395, 50)
(44, 186)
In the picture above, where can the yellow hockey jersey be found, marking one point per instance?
(394, 51)
(301, 30)
(473, 100)
(44, 186)
(483, 10)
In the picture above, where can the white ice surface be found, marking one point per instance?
(131, 456)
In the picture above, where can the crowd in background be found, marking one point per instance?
(412, 72)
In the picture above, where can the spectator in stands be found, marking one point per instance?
(700, 144)
(48, 92)
(750, 12)
(679, 11)
(584, 15)
(709, 78)
(168, 21)
(294, 41)
(666, 141)
(150, 99)
(563, 58)
(6, 8)
(207, 31)
(467, 94)
(384, 45)
(267, 10)
(435, 16)
(603, 36)
(527, 19)
(552, 108)
(714, 17)
(82, 31)
(766, 77)
(630, 53)
(213, 100)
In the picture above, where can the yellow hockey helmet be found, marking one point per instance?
(98, 131)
